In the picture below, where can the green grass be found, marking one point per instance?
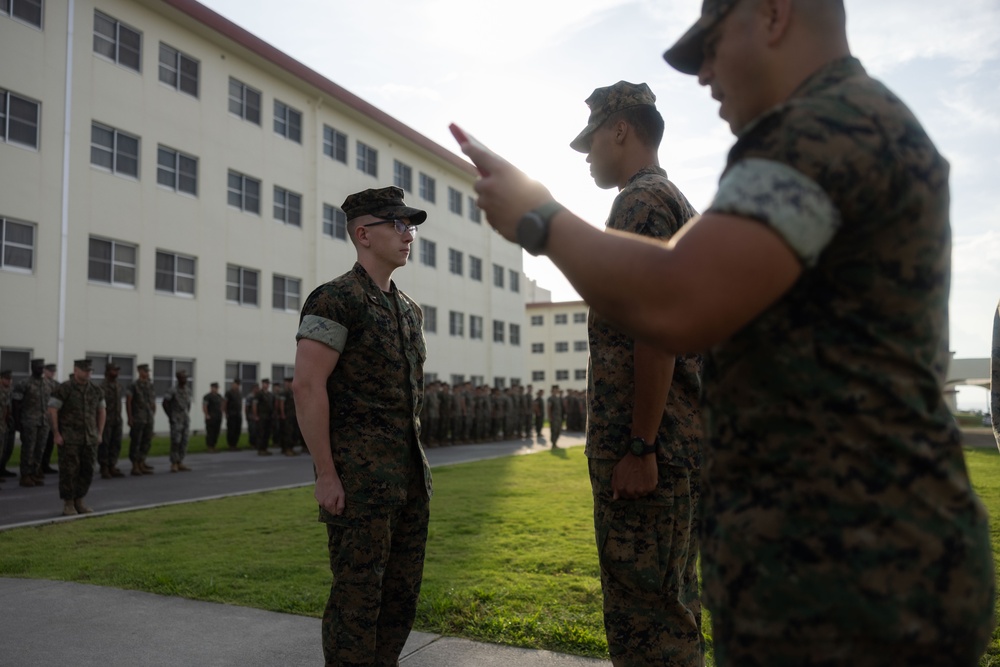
(511, 556)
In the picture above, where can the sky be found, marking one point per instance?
(516, 73)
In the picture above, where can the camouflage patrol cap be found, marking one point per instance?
(50, 367)
(382, 203)
(112, 366)
(181, 374)
(37, 363)
(6, 375)
(687, 53)
(605, 101)
(142, 367)
(82, 364)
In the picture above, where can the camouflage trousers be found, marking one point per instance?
(555, 428)
(648, 550)
(377, 562)
(234, 429)
(76, 469)
(111, 444)
(33, 436)
(180, 430)
(140, 440)
(213, 425)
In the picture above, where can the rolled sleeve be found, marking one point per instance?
(787, 200)
(55, 403)
(322, 330)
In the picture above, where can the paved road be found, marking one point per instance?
(213, 476)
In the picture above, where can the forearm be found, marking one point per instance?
(102, 418)
(54, 421)
(653, 373)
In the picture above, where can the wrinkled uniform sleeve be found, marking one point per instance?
(322, 319)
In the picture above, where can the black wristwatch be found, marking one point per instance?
(533, 228)
(640, 447)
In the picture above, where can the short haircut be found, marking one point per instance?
(645, 120)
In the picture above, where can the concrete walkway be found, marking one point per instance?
(50, 623)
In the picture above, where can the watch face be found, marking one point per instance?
(530, 232)
(638, 446)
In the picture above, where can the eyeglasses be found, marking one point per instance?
(400, 226)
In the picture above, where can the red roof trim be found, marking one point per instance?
(248, 40)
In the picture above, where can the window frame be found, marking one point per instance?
(287, 121)
(115, 151)
(6, 244)
(367, 159)
(498, 276)
(241, 286)
(428, 253)
(455, 200)
(176, 274)
(176, 171)
(456, 261)
(334, 222)
(113, 263)
(284, 293)
(476, 327)
(177, 70)
(402, 175)
(6, 119)
(456, 324)
(428, 188)
(11, 11)
(116, 42)
(334, 144)
(498, 331)
(241, 192)
(430, 318)
(287, 207)
(176, 364)
(243, 104)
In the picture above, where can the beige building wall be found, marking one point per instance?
(556, 344)
(61, 314)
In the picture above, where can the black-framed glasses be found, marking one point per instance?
(400, 226)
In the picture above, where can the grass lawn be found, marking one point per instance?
(511, 556)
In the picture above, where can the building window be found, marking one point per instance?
(428, 252)
(246, 372)
(579, 318)
(456, 323)
(497, 331)
(455, 261)
(475, 214)
(475, 268)
(114, 150)
(165, 373)
(580, 374)
(562, 346)
(175, 273)
(499, 382)
(454, 201)
(562, 375)
(538, 348)
(579, 346)
(457, 379)
(287, 207)
(17, 362)
(279, 372)
(115, 40)
(112, 262)
(515, 334)
(242, 285)
(178, 70)
(287, 122)
(561, 318)
(244, 192)
(475, 327)
(537, 320)
(334, 144)
(18, 119)
(244, 101)
(402, 175)
(428, 188)
(177, 171)
(538, 376)
(286, 293)
(515, 281)
(430, 318)
(476, 380)
(334, 222)
(498, 276)
(126, 368)
(18, 240)
(29, 11)
(367, 159)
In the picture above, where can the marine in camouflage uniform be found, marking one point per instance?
(555, 414)
(77, 411)
(233, 407)
(994, 377)
(263, 413)
(6, 423)
(359, 386)
(646, 530)
(429, 428)
(292, 436)
(140, 406)
(178, 398)
(111, 437)
(538, 406)
(211, 408)
(30, 405)
(840, 524)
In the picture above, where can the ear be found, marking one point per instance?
(778, 18)
(621, 132)
(361, 236)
